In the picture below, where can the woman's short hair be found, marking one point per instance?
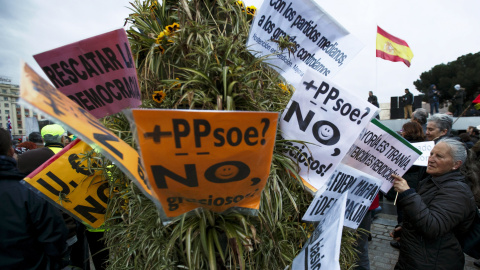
(443, 121)
(457, 149)
(412, 131)
(420, 115)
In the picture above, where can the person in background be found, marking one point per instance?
(363, 262)
(465, 138)
(433, 98)
(420, 116)
(24, 147)
(374, 101)
(407, 104)
(53, 136)
(458, 100)
(473, 132)
(438, 126)
(413, 133)
(442, 207)
(36, 138)
(32, 232)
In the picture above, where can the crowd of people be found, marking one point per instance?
(437, 203)
(34, 234)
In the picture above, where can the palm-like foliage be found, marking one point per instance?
(205, 64)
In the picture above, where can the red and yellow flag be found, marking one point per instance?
(476, 101)
(392, 48)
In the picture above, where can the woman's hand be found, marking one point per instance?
(395, 233)
(399, 184)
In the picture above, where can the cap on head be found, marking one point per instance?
(457, 87)
(53, 133)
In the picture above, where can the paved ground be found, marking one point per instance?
(382, 255)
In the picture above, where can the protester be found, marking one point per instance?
(444, 205)
(420, 116)
(363, 262)
(458, 100)
(32, 232)
(473, 132)
(24, 147)
(373, 100)
(407, 104)
(413, 133)
(36, 138)
(433, 98)
(465, 138)
(438, 126)
(53, 136)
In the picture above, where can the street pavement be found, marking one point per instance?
(382, 255)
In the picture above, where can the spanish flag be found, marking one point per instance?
(476, 102)
(392, 48)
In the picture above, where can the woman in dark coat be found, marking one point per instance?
(443, 206)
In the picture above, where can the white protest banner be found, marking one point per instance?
(321, 44)
(329, 118)
(381, 152)
(425, 147)
(322, 249)
(362, 190)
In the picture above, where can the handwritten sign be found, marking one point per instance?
(322, 250)
(381, 152)
(210, 159)
(425, 148)
(362, 190)
(319, 42)
(329, 118)
(97, 73)
(37, 92)
(66, 181)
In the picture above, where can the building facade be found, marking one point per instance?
(9, 95)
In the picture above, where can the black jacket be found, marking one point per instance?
(407, 99)
(32, 231)
(443, 206)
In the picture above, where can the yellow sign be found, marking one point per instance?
(66, 180)
(40, 94)
(211, 159)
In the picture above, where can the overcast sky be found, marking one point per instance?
(437, 31)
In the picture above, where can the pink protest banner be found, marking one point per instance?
(98, 73)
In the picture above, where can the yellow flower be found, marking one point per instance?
(158, 96)
(251, 10)
(160, 37)
(172, 28)
(176, 85)
(153, 6)
(284, 88)
(240, 3)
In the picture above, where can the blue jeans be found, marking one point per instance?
(432, 106)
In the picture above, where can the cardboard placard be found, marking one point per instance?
(97, 73)
(66, 181)
(320, 43)
(37, 92)
(211, 159)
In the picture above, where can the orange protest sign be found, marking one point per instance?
(210, 159)
(37, 92)
(66, 180)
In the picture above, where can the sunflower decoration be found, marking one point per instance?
(285, 88)
(158, 96)
(172, 28)
(154, 6)
(176, 85)
(240, 4)
(251, 10)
